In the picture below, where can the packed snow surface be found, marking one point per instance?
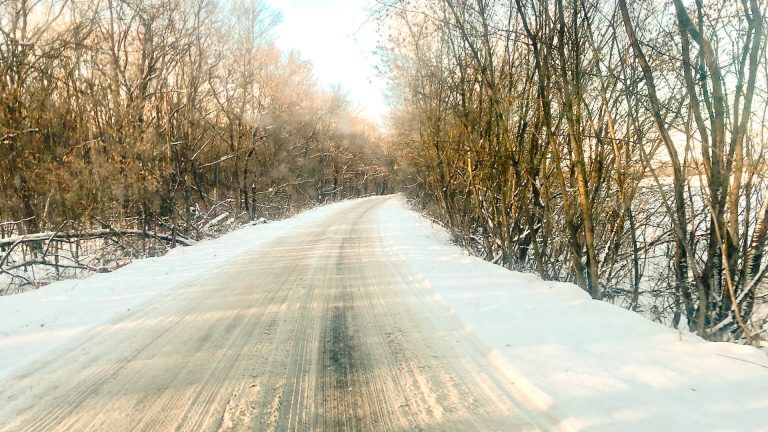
(576, 364)
(34, 322)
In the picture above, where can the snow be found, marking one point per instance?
(576, 364)
(580, 364)
(34, 322)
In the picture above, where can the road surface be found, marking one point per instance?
(320, 330)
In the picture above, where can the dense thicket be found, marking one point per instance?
(621, 147)
(161, 115)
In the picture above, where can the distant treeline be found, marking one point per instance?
(618, 146)
(159, 115)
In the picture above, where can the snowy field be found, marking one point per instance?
(577, 364)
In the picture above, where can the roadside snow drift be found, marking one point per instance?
(580, 364)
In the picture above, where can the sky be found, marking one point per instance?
(339, 40)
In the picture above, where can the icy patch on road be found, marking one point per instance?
(580, 364)
(34, 322)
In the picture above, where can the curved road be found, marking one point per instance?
(318, 331)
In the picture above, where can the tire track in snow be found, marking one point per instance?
(320, 330)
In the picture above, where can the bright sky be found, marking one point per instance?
(339, 40)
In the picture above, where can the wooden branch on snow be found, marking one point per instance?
(8, 253)
(16, 222)
(13, 277)
(89, 234)
(44, 262)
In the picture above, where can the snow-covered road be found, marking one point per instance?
(319, 329)
(358, 315)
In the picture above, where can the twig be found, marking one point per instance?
(97, 233)
(79, 266)
(8, 254)
(16, 222)
(745, 361)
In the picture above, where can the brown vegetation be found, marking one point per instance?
(160, 116)
(530, 126)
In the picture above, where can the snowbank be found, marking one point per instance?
(581, 364)
(34, 322)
